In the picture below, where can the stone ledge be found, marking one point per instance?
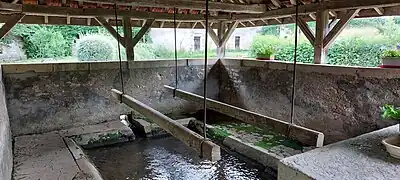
(93, 66)
(362, 157)
(368, 72)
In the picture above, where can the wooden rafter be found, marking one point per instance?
(142, 31)
(211, 32)
(306, 30)
(380, 11)
(184, 4)
(228, 33)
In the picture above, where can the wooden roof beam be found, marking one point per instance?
(380, 11)
(143, 31)
(184, 4)
(110, 29)
(340, 25)
(5, 29)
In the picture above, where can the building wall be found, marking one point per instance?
(6, 155)
(185, 38)
(341, 102)
(48, 97)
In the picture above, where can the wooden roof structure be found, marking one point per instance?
(190, 13)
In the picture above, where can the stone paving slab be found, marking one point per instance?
(362, 157)
(44, 157)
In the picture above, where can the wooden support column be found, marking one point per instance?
(306, 30)
(221, 32)
(110, 29)
(322, 27)
(5, 29)
(128, 38)
(145, 28)
(339, 26)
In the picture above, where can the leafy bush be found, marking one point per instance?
(264, 45)
(144, 51)
(46, 44)
(391, 53)
(94, 47)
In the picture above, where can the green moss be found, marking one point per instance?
(105, 137)
(217, 133)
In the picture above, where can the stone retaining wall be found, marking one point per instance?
(341, 102)
(48, 97)
(6, 155)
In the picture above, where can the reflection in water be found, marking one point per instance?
(166, 158)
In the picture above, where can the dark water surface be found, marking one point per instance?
(167, 158)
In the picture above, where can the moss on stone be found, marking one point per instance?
(217, 133)
(105, 137)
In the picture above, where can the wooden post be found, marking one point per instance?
(322, 27)
(5, 29)
(208, 149)
(128, 38)
(221, 32)
(306, 30)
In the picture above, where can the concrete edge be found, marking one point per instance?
(288, 173)
(82, 161)
(367, 72)
(96, 65)
(255, 153)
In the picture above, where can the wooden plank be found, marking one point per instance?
(185, 4)
(128, 38)
(306, 30)
(338, 28)
(276, 3)
(96, 12)
(111, 30)
(380, 11)
(193, 140)
(10, 6)
(5, 29)
(301, 134)
(321, 30)
(306, 9)
(221, 32)
(228, 33)
(143, 31)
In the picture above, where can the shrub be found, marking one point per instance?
(95, 47)
(144, 51)
(391, 53)
(264, 45)
(46, 44)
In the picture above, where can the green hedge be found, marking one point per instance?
(351, 51)
(46, 44)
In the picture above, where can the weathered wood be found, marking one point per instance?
(111, 30)
(95, 12)
(143, 31)
(5, 29)
(184, 4)
(306, 9)
(10, 6)
(380, 11)
(301, 134)
(221, 32)
(338, 28)
(321, 30)
(306, 30)
(128, 38)
(193, 140)
(211, 33)
(228, 33)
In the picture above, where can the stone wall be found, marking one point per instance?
(341, 102)
(6, 159)
(47, 97)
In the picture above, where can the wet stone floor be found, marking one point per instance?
(168, 158)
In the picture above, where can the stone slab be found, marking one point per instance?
(102, 127)
(362, 157)
(44, 157)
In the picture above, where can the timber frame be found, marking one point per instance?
(331, 16)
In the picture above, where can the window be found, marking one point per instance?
(237, 42)
(197, 43)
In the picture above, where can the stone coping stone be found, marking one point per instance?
(362, 157)
(45, 156)
(100, 134)
(97, 65)
(367, 72)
